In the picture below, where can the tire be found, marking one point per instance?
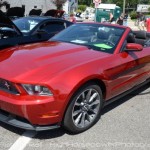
(84, 109)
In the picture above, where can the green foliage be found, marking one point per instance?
(144, 2)
(149, 9)
(133, 15)
(59, 3)
(82, 7)
(92, 5)
(78, 11)
(85, 2)
(129, 3)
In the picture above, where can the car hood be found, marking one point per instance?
(35, 12)
(15, 11)
(34, 62)
(54, 13)
(6, 22)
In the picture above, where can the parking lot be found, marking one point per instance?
(124, 125)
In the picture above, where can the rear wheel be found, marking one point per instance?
(84, 109)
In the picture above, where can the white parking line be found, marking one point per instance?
(21, 143)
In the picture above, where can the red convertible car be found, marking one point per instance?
(67, 80)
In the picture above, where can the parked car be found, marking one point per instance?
(78, 17)
(29, 29)
(67, 80)
(92, 16)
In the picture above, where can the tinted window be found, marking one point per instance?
(53, 27)
(25, 25)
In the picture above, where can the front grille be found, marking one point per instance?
(8, 86)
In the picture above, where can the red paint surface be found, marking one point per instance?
(64, 68)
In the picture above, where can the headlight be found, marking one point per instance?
(37, 90)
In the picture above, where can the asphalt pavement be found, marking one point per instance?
(124, 125)
(131, 24)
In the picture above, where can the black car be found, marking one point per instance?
(29, 29)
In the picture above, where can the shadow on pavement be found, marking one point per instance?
(50, 134)
(47, 134)
(12, 128)
(141, 91)
(60, 132)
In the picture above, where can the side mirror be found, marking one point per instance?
(134, 47)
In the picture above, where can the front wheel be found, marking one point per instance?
(84, 109)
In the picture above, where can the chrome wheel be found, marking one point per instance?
(86, 108)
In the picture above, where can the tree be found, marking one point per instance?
(144, 1)
(59, 3)
(85, 2)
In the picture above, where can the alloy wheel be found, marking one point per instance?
(86, 108)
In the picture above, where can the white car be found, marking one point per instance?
(78, 17)
(92, 16)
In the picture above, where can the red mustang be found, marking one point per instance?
(67, 80)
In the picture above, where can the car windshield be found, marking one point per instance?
(96, 36)
(25, 25)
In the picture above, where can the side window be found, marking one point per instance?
(53, 27)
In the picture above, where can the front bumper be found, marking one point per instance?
(23, 123)
(30, 112)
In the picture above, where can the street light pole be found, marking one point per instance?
(124, 4)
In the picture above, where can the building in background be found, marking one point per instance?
(142, 8)
(44, 5)
(70, 6)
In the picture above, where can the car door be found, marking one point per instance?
(53, 27)
(47, 30)
(137, 64)
(133, 68)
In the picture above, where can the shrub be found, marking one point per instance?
(78, 11)
(133, 15)
(82, 8)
